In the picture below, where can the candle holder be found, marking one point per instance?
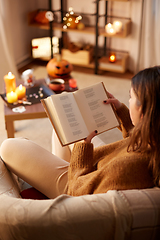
(28, 77)
(72, 83)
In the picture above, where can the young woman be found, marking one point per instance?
(131, 163)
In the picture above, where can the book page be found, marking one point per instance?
(97, 115)
(72, 123)
(52, 115)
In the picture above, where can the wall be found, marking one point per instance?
(22, 33)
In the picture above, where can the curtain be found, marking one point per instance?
(149, 48)
(7, 63)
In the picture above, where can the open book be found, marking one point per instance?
(76, 114)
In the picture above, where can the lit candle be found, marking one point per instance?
(12, 97)
(117, 25)
(111, 31)
(112, 58)
(21, 91)
(10, 82)
(72, 83)
(108, 27)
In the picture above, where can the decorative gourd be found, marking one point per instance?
(58, 68)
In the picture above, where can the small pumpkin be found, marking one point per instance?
(58, 68)
(71, 21)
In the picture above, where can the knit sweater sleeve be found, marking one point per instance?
(125, 120)
(82, 177)
(80, 170)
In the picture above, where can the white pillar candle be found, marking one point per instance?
(109, 29)
(117, 25)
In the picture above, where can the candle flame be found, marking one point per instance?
(112, 58)
(20, 87)
(111, 30)
(117, 23)
(9, 74)
(109, 25)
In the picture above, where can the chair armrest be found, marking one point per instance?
(144, 205)
(99, 216)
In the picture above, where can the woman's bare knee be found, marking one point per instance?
(6, 149)
(9, 147)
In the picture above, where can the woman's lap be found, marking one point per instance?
(42, 169)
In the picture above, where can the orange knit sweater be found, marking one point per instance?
(109, 167)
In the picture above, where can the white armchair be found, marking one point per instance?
(130, 214)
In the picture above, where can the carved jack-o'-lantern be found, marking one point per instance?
(58, 67)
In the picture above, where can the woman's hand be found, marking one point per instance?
(111, 99)
(90, 136)
(116, 104)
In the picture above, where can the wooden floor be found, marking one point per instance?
(126, 75)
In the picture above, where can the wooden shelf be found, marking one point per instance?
(95, 63)
(120, 66)
(123, 34)
(117, 0)
(90, 65)
(81, 57)
(87, 30)
(57, 26)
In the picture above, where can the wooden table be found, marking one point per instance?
(32, 112)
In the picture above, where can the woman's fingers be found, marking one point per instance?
(111, 99)
(90, 136)
(109, 95)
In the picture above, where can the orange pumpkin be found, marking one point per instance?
(58, 68)
(71, 21)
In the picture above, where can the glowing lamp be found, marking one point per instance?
(41, 47)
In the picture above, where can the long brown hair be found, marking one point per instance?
(146, 134)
